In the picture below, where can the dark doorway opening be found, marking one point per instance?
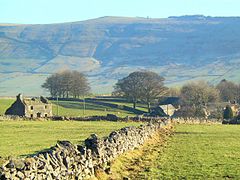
(38, 115)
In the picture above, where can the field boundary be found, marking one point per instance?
(132, 164)
(66, 160)
(108, 117)
(195, 121)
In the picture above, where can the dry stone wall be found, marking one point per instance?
(195, 120)
(68, 161)
(108, 117)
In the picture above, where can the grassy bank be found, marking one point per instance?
(19, 138)
(194, 152)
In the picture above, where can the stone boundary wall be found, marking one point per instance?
(109, 117)
(13, 117)
(195, 120)
(68, 161)
(112, 117)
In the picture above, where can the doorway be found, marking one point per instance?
(38, 114)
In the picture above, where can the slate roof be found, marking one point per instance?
(175, 101)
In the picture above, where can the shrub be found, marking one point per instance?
(225, 121)
(228, 113)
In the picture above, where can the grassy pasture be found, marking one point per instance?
(74, 108)
(19, 138)
(194, 152)
(5, 104)
(139, 106)
(201, 152)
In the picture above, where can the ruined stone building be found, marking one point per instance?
(30, 107)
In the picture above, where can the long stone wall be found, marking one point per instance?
(68, 161)
(108, 117)
(195, 120)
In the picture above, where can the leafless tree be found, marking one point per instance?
(66, 84)
(199, 93)
(229, 91)
(141, 85)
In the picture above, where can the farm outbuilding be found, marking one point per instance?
(166, 107)
(167, 110)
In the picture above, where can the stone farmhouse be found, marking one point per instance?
(30, 107)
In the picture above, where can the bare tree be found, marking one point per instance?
(79, 86)
(141, 85)
(173, 91)
(199, 93)
(196, 96)
(152, 88)
(50, 85)
(229, 91)
(130, 87)
(67, 83)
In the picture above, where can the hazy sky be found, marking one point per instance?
(54, 11)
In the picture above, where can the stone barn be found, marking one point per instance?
(166, 107)
(167, 110)
(30, 107)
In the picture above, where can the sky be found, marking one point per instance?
(57, 11)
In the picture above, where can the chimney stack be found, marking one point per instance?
(20, 97)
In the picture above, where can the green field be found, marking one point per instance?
(193, 152)
(139, 106)
(74, 108)
(19, 138)
(4, 104)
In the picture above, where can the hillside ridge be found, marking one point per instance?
(180, 48)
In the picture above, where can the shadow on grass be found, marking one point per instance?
(98, 106)
(89, 106)
(184, 132)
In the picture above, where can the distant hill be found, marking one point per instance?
(179, 48)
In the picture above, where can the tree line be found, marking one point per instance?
(148, 87)
(67, 84)
(195, 97)
(199, 97)
(144, 86)
(200, 92)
